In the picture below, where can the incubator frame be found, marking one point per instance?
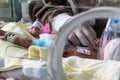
(55, 56)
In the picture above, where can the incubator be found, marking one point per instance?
(55, 57)
(53, 68)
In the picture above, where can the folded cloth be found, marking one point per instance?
(37, 52)
(90, 69)
(36, 69)
(21, 29)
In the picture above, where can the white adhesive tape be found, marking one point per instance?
(10, 37)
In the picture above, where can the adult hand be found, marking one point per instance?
(83, 35)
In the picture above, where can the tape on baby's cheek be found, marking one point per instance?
(10, 37)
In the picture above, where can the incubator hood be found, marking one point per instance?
(55, 56)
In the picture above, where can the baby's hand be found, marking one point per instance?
(97, 43)
(2, 33)
(24, 42)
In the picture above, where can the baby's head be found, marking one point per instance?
(36, 29)
(112, 50)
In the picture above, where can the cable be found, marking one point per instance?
(80, 7)
(6, 51)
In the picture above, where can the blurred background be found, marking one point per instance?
(15, 10)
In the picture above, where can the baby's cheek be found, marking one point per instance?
(39, 32)
(34, 32)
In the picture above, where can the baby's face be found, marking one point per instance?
(35, 32)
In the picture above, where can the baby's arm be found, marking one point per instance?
(11, 37)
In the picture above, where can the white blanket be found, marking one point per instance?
(9, 52)
(89, 69)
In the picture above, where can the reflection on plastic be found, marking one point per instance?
(111, 32)
(1, 62)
